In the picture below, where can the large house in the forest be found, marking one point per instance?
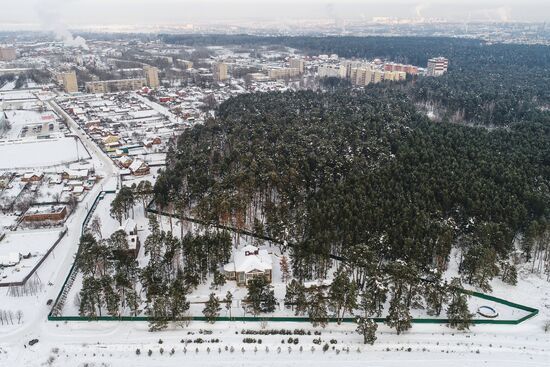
(248, 263)
(130, 228)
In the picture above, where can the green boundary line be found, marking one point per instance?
(532, 311)
(86, 218)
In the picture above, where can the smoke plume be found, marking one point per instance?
(49, 13)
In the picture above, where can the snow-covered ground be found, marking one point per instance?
(34, 243)
(36, 153)
(115, 343)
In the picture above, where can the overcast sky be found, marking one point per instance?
(134, 12)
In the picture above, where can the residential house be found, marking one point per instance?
(248, 263)
(45, 213)
(74, 174)
(139, 168)
(130, 228)
(32, 176)
(124, 161)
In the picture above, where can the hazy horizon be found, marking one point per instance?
(47, 14)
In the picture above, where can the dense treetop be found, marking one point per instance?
(494, 84)
(331, 172)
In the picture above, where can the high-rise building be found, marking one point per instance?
(297, 64)
(151, 76)
(185, 63)
(349, 65)
(108, 86)
(337, 71)
(437, 66)
(395, 75)
(283, 73)
(361, 76)
(68, 79)
(365, 75)
(7, 54)
(409, 69)
(220, 71)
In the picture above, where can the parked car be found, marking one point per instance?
(49, 303)
(33, 342)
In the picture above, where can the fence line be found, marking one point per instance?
(15, 284)
(67, 284)
(532, 312)
(56, 317)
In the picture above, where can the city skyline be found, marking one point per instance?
(48, 14)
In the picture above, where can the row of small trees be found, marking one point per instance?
(344, 296)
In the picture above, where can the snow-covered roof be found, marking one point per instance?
(10, 259)
(249, 259)
(81, 173)
(128, 226)
(136, 164)
(78, 189)
(28, 175)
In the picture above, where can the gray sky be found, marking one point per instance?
(76, 13)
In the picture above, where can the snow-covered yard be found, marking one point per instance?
(33, 243)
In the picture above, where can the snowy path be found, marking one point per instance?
(105, 163)
(160, 109)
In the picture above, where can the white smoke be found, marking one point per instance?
(49, 13)
(501, 14)
(419, 8)
(504, 13)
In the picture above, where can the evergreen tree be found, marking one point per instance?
(178, 297)
(228, 300)
(219, 279)
(458, 312)
(159, 313)
(95, 226)
(132, 301)
(366, 327)
(212, 308)
(479, 266)
(260, 297)
(285, 269)
(302, 302)
(291, 293)
(317, 310)
(509, 273)
(111, 298)
(399, 316)
(117, 209)
(342, 295)
(375, 295)
(435, 295)
(144, 192)
(91, 300)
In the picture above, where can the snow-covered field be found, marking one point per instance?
(115, 344)
(37, 153)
